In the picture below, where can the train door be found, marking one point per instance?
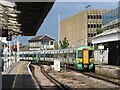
(85, 56)
(30, 56)
(37, 56)
(34, 56)
(42, 56)
(52, 56)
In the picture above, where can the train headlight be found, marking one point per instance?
(85, 66)
(80, 60)
(91, 60)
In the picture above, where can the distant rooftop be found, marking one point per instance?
(41, 38)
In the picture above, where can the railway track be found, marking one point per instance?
(100, 77)
(59, 86)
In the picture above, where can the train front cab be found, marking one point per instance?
(84, 58)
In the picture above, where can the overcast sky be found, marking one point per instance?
(50, 24)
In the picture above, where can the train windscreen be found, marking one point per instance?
(91, 54)
(80, 54)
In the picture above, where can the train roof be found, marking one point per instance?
(84, 47)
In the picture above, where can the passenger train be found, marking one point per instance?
(78, 58)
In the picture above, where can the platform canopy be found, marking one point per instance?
(107, 36)
(32, 15)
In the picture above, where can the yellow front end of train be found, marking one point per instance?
(85, 58)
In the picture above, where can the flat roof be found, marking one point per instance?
(107, 36)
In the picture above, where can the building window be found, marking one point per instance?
(94, 16)
(94, 25)
(88, 25)
(91, 16)
(42, 42)
(51, 43)
(47, 42)
(89, 44)
(100, 17)
(97, 25)
(92, 34)
(91, 25)
(88, 16)
(88, 34)
(97, 16)
(100, 25)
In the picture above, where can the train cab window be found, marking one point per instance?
(80, 54)
(91, 54)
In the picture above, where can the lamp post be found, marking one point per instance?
(58, 30)
(87, 7)
(17, 50)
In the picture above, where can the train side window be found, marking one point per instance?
(80, 54)
(91, 54)
(65, 55)
(31, 55)
(42, 55)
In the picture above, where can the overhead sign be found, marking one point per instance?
(100, 47)
(9, 38)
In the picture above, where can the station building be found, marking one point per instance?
(42, 42)
(111, 35)
(81, 27)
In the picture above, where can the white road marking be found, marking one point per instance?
(29, 68)
(36, 84)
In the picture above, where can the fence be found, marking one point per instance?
(101, 58)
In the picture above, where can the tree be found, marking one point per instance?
(64, 43)
(56, 45)
(99, 31)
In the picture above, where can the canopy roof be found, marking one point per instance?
(32, 15)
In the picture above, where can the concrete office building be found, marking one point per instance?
(80, 28)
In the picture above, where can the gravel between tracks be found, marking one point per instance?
(72, 79)
(78, 80)
(42, 80)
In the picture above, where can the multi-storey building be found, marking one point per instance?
(111, 35)
(42, 42)
(80, 28)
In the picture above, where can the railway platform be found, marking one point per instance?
(107, 70)
(18, 76)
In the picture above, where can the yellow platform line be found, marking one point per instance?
(17, 74)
